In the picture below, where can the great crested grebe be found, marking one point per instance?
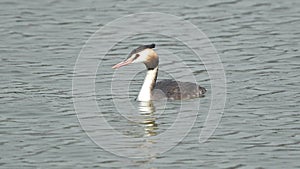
(170, 89)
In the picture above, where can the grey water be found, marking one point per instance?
(257, 42)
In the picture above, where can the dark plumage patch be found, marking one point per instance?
(141, 48)
(175, 90)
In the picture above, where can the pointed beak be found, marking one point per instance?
(123, 63)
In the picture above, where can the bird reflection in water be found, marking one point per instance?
(147, 110)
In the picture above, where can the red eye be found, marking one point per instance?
(136, 56)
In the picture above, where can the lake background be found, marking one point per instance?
(258, 43)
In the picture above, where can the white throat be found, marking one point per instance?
(148, 85)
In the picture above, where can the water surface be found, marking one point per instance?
(258, 43)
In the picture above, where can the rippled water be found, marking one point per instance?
(258, 43)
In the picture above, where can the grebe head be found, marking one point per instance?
(143, 54)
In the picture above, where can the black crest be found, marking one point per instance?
(141, 48)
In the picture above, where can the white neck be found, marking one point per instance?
(149, 82)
